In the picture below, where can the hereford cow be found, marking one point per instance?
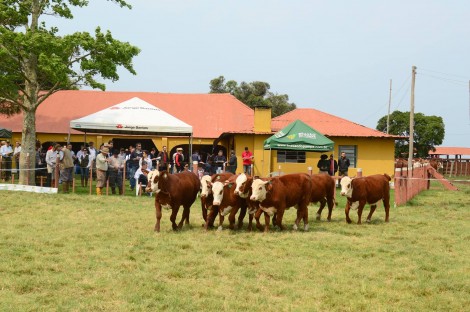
(172, 191)
(280, 193)
(227, 202)
(364, 190)
(323, 191)
(207, 197)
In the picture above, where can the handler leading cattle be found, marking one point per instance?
(370, 189)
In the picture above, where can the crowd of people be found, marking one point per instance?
(330, 166)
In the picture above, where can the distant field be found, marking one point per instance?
(87, 253)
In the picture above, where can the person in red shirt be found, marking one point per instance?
(247, 157)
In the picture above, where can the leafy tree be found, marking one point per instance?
(429, 131)
(253, 94)
(35, 61)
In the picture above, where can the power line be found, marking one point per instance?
(449, 80)
(438, 72)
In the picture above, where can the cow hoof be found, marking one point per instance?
(220, 228)
(306, 227)
(295, 227)
(368, 220)
(318, 217)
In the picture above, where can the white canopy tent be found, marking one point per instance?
(132, 117)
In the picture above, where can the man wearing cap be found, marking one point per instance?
(101, 169)
(179, 159)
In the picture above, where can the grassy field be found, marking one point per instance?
(87, 253)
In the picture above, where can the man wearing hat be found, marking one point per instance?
(101, 168)
(179, 159)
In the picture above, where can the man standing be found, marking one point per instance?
(134, 160)
(333, 166)
(66, 167)
(115, 167)
(232, 162)
(6, 151)
(179, 159)
(163, 160)
(219, 161)
(16, 155)
(343, 163)
(101, 169)
(247, 157)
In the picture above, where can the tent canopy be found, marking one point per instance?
(4, 133)
(299, 136)
(134, 117)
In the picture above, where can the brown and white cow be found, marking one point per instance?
(172, 191)
(207, 196)
(370, 189)
(280, 193)
(323, 191)
(229, 203)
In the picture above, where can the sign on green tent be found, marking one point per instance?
(299, 136)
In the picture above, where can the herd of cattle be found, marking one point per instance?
(227, 194)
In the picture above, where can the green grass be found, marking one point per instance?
(84, 253)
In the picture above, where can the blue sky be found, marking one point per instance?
(334, 56)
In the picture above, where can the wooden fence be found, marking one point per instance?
(460, 167)
(408, 184)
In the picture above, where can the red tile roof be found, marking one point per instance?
(440, 150)
(209, 114)
(327, 124)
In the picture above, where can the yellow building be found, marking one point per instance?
(219, 121)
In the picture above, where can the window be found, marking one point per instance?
(351, 153)
(291, 157)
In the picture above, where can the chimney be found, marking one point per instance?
(262, 119)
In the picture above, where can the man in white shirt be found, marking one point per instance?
(7, 152)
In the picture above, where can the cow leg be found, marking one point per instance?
(209, 217)
(362, 203)
(174, 213)
(204, 209)
(158, 214)
(185, 217)
(241, 216)
(231, 218)
(387, 208)
(215, 212)
(267, 218)
(221, 220)
(372, 209)
(279, 216)
(331, 204)
(299, 217)
(250, 222)
(322, 205)
(346, 211)
(257, 216)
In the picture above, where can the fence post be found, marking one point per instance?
(359, 172)
(309, 170)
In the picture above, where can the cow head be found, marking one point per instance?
(218, 193)
(259, 189)
(242, 185)
(205, 186)
(346, 186)
(152, 185)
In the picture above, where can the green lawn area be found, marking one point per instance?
(74, 252)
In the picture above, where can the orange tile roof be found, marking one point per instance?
(440, 150)
(209, 114)
(327, 124)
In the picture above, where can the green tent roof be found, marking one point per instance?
(299, 136)
(4, 133)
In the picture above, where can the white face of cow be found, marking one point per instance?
(346, 187)
(258, 189)
(218, 193)
(205, 186)
(151, 177)
(242, 178)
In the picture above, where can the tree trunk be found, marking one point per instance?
(28, 148)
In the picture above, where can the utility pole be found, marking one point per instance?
(412, 119)
(389, 103)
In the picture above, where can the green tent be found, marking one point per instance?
(4, 133)
(299, 136)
